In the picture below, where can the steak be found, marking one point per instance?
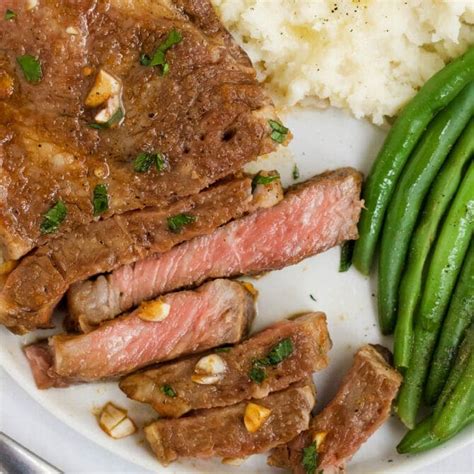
(310, 343)
(313, 217)
(219, 312)
(361, 405)
(37, 284)
(201, 109)
(221, 432)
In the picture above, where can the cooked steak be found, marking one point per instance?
(241, 378)
(361, 405)
(36, 285)
(88, 86)
(220, 312)
(222, 432)
(313, 217)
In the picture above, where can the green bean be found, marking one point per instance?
(442, 191)
(438, 92)
(346, 255)
(421, 437)
(460, 364)
(406, 202)
(448, 255)
(460, 315)
(458, 405)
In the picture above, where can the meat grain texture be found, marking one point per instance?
(361, 405)
(219, 312)
(35, 286)
(313, 217)
(310, 346)
(207, 115)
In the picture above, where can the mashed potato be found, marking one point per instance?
(369, 56)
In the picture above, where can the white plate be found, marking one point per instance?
(322, 140)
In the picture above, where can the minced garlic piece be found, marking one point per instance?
(255, 416)
(154, 311)
(209, 369)
(115, 422)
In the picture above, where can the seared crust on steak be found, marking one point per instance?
(221, 431)
(361, 405)
(207, 115)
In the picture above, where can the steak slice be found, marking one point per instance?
(221, 432)
(310, 343)
(313, 217)
(219, 312)
(37, 284)
(207, 115)
(361, 405)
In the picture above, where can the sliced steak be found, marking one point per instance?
(206, 113)
(37, 284)
(313, 217)
(361, 405)
(221, 432)
(240, 378)
(219, 312)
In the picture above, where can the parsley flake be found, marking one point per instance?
(31, 68)
(176, 223)
(296, 172)
(10, 15)
(310, 459)
(257, 374)
(144, 161)
(115, 119)
(278, 353)
(100, 199)
(168, 390)
(279, 132)
(261, 179)
(53, 218)
(159, 56)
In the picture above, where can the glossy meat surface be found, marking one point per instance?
(207, 115)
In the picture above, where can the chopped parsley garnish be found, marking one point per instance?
(159, 56)
(296, 172)
(313, 298)
(279, 132)
(176, 223)
(223, 349)
(53, 218)
(115, 119)
(257, 374)
(100, 199)
(278, 353)
(168, 390)
(31, 68)
(261, 179)
(144, 161)
(10, 15)
(310, 459)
